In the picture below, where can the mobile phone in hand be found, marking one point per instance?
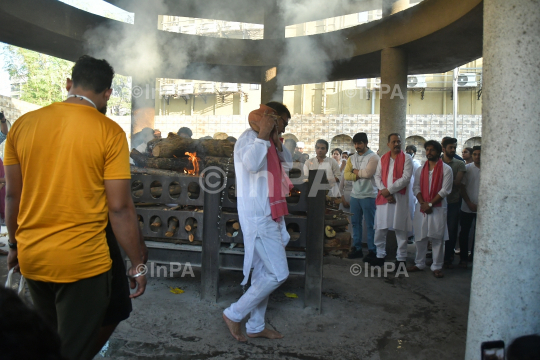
(493, 350)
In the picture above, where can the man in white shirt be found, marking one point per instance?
(333, 173)
(432, 184)
(265, 234)
(469, 205)
(392, 178)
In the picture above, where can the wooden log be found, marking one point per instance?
(141, 223)
(156, 223)
(191, 236)
(344, 239)
(173, 225)
(329, 231)
(179, 164)
(236, 226)
(176, 146)
(191, 224)
(337, 222)
(330, 216)
(157, 172)
(295, 236)
(156, 191)
(231, 231)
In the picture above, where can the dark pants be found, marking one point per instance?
(452, 221)
(76, 310)
(466, 222)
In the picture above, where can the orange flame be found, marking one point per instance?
(195, 162)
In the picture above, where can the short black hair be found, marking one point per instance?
(393, 134)
(338, 150)
(525, 348)
(321, 141)
(185, 130)
(360, 137)
(448, 141)
(231, 139)
(469, 149)
(435, 144)
(279, 107)
(412, 147)
(477, 147)
(92, 74)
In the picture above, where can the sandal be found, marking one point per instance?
(414, 268)
(438, 274)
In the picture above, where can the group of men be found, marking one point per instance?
(443, 191)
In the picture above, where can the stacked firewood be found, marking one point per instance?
(337, 238)
(172, 154)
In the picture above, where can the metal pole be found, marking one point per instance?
(455, 95)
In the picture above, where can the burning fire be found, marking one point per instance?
(195, 162)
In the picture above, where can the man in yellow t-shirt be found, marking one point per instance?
(67, 172)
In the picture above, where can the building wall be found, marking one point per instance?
(310, 128)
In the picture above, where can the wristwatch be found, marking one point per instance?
(12, 245)
(430, 205)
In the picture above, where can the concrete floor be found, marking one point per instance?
(419, 317)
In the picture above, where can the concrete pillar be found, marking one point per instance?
(390, 7)
(143, 94)
(393, 93)
(143, 103)
(505, 293)
(274, 28)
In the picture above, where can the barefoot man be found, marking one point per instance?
(261, 183)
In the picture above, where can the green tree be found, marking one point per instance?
(42, 79)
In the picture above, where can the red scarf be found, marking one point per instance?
(436, 182)
(279, 184)
(399, 165)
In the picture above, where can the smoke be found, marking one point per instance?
(310, 57)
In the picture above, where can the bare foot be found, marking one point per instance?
(234, 328)
(266, 333)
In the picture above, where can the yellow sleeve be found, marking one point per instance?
(349, 175)
(10, 154)
(117, 158)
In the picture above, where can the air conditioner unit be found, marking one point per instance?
(208, 28)
(361, 83)
(167, 90)
(229, 87)
(416, 81)
(187, 88)
(467, 80)
(207, 87)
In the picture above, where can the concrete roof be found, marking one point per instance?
(248, 11)
(438, 34)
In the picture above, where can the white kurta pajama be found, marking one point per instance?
(393, 216)
(432, 226)
(264, 238)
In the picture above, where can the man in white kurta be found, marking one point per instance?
(394, 215)
(264, 238)
(329, 164)
(430, 218)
